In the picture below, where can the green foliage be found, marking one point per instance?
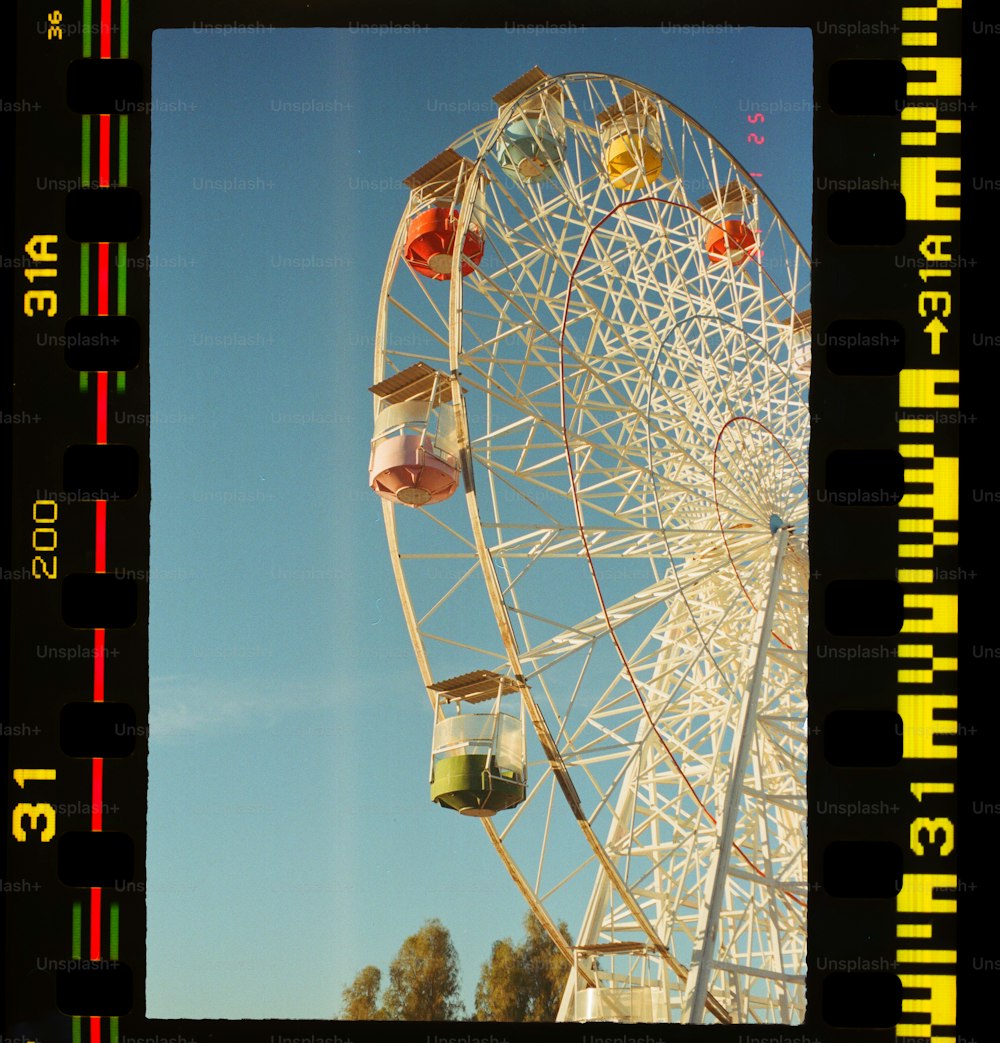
(523, 982)
(424, 979)
(361, 996)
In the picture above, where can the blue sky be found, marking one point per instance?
(292, 840)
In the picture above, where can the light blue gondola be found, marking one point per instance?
(527, 150)
(532, 144)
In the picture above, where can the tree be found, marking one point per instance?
(361, 996)
(502, 992)
(523, 982)
(423, 978)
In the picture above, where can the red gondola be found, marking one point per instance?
(732, 241)
(430, 242)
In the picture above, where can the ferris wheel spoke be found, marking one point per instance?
(427, 300)
(595, 625)
(469, 572)
(545, 783)
(568, 878)
(440, 523)
(479, 653)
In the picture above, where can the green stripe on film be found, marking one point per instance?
(76, 946)
(124, 27)
(85, 153)
(76, 1028)
(87, 20)
(83, 381)
(84, 278)
(123, 151)
(113, 938)
(122, 268)
(113, 931)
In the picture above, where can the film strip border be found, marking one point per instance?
(78, 630)
(906, 472)
(883, 692)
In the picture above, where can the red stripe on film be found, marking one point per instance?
(101, 536)
(95, 925)
(97, 795)
(102, 279)
(104, 150)
(102, 408)
(105, 28)
(99, 666)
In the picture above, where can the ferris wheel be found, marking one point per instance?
(591, 434)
